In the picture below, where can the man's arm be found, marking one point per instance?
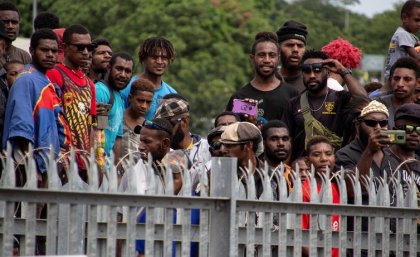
(412, 52)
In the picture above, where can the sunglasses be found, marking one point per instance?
(153, 125)
(410, 128)
(374, 123)
(82, 47)
(315, 67)
(216, 145)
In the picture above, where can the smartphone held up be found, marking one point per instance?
(244, 107)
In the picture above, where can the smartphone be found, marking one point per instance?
(244, 107)
(396, 136)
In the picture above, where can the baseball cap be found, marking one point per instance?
(408, 111)
(240, 132)
(171, 108)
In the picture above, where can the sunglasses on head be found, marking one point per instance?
(410, 128)
(216, 145)
(153, 125)
(315, 67)
(374, 123)
(82, 47)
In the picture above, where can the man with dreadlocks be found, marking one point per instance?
(155, 54)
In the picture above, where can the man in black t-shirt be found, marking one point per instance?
(265, 88)
(325, 105)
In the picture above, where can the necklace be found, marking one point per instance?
(76, 72)
(323, 102)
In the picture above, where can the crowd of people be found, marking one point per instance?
(302, 106)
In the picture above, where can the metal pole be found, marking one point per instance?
(34, 11)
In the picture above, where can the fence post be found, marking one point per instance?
(223, 232)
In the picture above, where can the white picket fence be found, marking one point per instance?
(82, 218)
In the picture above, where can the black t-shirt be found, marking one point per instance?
(331, 114)
(271, 104)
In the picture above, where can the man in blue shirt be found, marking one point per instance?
(108, 92)
(33, 112)
(155, 54)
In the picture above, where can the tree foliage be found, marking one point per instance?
(213, 38)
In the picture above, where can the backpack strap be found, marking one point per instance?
(314, 126)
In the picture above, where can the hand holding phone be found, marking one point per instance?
(396, 136)
(244, 107)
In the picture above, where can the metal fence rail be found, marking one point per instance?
(82, 218)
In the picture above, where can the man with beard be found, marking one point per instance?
(177, 112)
(100, 60)
(108, 92)
(404, 77)
(292, 39)
(10, 15)
(277, 146)
(265, 88)
(319, 110)
(78, 91)
(366, 151)
(155, 54)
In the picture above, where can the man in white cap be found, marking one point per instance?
(366, 151)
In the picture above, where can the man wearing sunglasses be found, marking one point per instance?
(407, 118)
(319, 110)
(366, 151)
(78, 91)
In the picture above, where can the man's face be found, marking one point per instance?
(13, 70)
(77, 52)
(291, 52)
(156, 64)
(120, 73)
(44, 56)
(365, 126)
(412, 139)
(100, 58)
(266, 59)
(140, 102)
(151, 142)
(321, 155)
(314, 78)
(225, 120)
(277, 144)
(11, 23)
(235, 151)
(403, 83)
(216, 147)
(412, 21)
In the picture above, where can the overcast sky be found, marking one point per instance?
(372, 7)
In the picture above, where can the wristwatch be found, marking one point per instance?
(345, 72)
